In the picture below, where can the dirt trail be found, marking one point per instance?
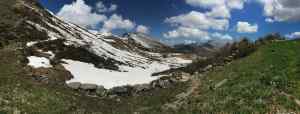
(182, 97)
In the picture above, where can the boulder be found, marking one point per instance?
(100, 91)
(207, 68)
(88, 86)
(41, 78)
(161, 83)
(74, 85)
(119, 90)
(142, 87)
(221, 83)
(164, 83)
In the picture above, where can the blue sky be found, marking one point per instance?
(179, 21)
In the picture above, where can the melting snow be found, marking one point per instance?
(52, 55)
(88, 73)
(39, 62)
(29, 44)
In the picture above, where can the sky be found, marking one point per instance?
(183, 21)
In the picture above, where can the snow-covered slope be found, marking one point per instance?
(145, 41)
(79, 37)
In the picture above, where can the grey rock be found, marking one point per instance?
(182, 96)
(164, 83)
(221, 83)
(88, 86)
(161, 83)
(208, 67)
(41, 78)
(142, 87)
(119, 90)
(100, 91)
(74, 85)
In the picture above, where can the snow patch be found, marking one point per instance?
(39, 62)
(109, 40)
(88, 73)
(29, 44)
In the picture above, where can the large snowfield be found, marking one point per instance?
(88, 73)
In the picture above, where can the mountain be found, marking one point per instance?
(138, 43)
(201, 49)
(146, 42)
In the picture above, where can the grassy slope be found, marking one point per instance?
(19, 94)
(255, 83)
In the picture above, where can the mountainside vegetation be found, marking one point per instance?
(265, 81)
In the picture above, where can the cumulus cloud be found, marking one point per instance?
(233, 4)
(197, 24)
(102, 8)
(219, 40)
(143, 29)
(189, 41)
(245, 27)
(185, 32)
(282, 10)
(222, 36)
(80, 13)
(198, 20)
(205, 3)
(216, 38)
(117, 22)
(269, 20)
(293, 35)
(219, 12)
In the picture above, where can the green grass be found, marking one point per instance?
(255, 82)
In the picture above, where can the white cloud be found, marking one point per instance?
(220, 40)
(218, 8)
(205, 3)
(117, 22)
(245, 27)
(102, 8)
(293, 35)
(185, 32)
(282, 10)
(80, 13)
(269, 20)
(197, 24)
(232, 4)
(227, 5)
(236, 4)
(219, 12)
(143, 29)
(216, 38)
(221, 36)
(198, 20)
(189, 41)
